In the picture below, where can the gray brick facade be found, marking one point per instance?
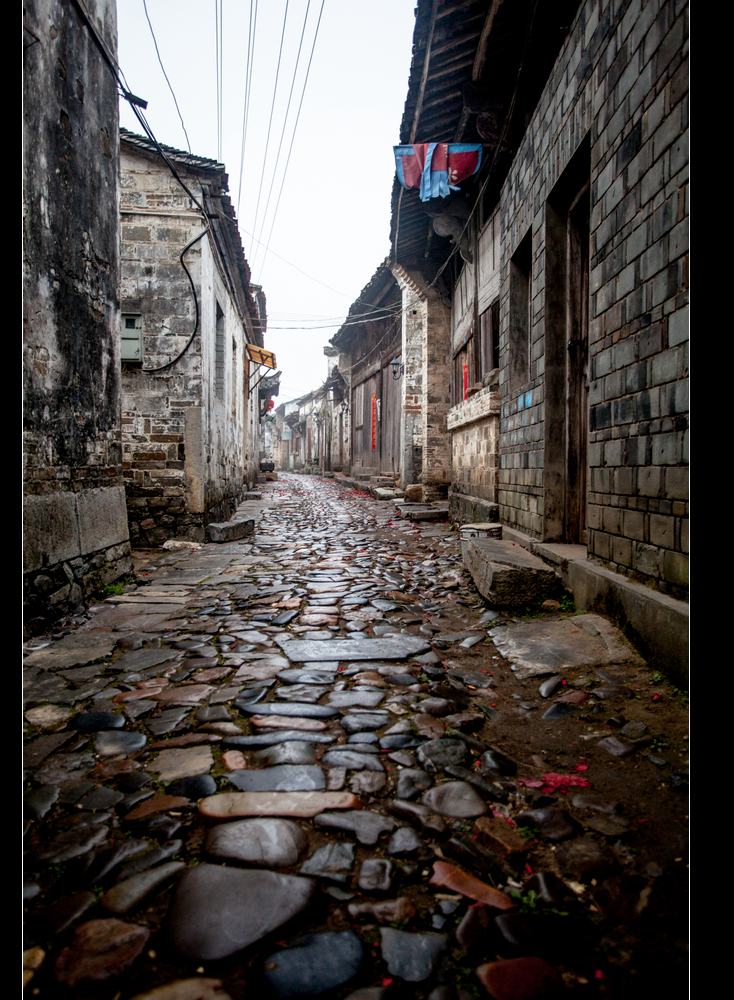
(629, 96)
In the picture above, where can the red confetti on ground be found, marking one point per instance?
(581, 767)
(555, 782)
(598, 974)
(528, 869)
(387, 982)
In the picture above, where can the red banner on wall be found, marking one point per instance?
(466, 379)
(374, 420)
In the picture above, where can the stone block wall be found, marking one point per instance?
(160, 500)
(436, 335)
(621, 80)
(411, 430)
(474, 428)
(520, 492)
(638, 490)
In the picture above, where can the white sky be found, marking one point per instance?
(333, 221)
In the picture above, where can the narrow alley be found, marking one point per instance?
(314, 761)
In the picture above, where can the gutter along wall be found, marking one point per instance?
(189, 431)
(75, 524)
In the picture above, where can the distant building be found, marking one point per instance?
(362, 379)
(192, 339)
(75, 525)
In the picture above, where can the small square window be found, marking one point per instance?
(131, 347)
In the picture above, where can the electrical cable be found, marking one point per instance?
(190, 341)
(136, 105)
(217, 4)
(285, 122)
(251, 32)
(295, 127)
(272, 109)
(157, 52)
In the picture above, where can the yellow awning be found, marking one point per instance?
(260, 356)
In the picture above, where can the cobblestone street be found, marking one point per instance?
(316, 762)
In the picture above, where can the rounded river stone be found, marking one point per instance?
(455, 798)
(281, 778)
(196, 787)
(261, 842)
(315, 963)
(110, 742)
(411, 956)
(92, 722)
(217, 911)
(441, 753)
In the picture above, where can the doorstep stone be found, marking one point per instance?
(506, 574)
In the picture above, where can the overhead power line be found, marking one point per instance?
(295, 128)
(251, 32)
(285, 122)
(272, 109)
(157, 52)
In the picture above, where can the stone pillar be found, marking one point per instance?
(411, 425)
(436, 465)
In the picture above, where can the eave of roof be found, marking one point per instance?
(466, 55)
(364, 305)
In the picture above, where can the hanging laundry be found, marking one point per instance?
(436, 168)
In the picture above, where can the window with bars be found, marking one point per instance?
(478, 356)
(520, 298)
(489, 338)
(464, 370)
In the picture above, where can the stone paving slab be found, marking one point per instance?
(506, 574)
(537, 649)
(172, 764)
(80, 650)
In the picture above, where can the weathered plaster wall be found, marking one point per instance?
(76, 536)
(190, 432)
(621, 79)
(230, 429)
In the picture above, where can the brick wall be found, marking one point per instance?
(621, 79)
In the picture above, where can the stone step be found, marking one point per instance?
(230, 531)
(506, 574)
(438, 511)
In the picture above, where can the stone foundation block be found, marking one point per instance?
(230, 531)
(507, 575)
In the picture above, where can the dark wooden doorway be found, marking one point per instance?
(567, 238)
